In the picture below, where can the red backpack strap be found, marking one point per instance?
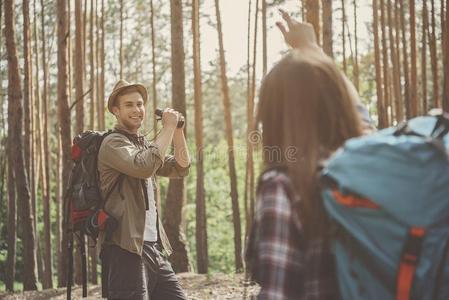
(409, 262)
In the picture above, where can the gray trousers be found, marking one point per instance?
(126, 275)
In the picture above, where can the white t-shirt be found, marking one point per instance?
(150, 233)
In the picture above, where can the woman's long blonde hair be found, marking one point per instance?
(306, 113)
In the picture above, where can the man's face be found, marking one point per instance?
(129, 110)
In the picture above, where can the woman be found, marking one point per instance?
(306, 112)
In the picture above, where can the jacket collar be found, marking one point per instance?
(136, 139)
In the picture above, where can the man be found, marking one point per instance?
(134, 255)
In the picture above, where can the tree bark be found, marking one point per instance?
(413, 62)
(395, 62)
(380, 101)
(313, 16)
(64, 122)
(153, 66)
(446, 59)
(405, 62)
(23, 193)
(92, 66)
(425, 26)
(433, 59)
(176, 194)
(264, 37)
(385, 65)
(79, 68)
(48, 274)
(355, 67)
(230, 142)
(38, 143)
(327, 27)
(201, 224)
(121, 39)
(343, 34)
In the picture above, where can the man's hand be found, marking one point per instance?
(170, 118)
(297, 35)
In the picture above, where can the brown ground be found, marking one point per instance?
(197, 287)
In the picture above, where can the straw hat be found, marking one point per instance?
(121, 86)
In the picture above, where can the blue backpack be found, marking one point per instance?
(387, 195)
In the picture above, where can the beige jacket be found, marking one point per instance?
(127, 203)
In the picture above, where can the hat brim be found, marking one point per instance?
(140, 89)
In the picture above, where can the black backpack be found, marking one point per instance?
(84, 205)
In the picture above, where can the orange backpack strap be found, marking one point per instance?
(409, 262)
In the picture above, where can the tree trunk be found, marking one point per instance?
(397, 30)
(313, 16)
(405, 62)
(176, 194)
(201, 224)
(264, 37)
(230, 142)
(343, 34)
(425, 26)
(121, 39)
(433, 59)
(12, 214)
(413, 62)
(355, 67)
(23, 193)
(27, 86)
(153, 67)
(38, 123)
(79, 68)
(102, 59)
(248, 97)
(395, 62)
(92, 66)
(385, 65)
(250, 124)
(327, 27)
(446, 59)
(65, 124)
(380, 101)
(48, 274)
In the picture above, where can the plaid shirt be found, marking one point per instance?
(284, 264)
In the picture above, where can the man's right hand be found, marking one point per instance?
(170, 118)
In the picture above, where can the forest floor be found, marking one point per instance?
(196, 286)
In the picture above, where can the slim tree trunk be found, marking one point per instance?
(425, 26)
(248, 97)
(446, 59)
(250, 125)
(405, 62)
(201, 224)
(64, 122)
(175, 196)
(12, 214)
(40, 268)
(79, 68)
(27, 86)
(413, 62)
(313, 16)
(327, 27)
(102, 79)
(380, 102)
(397, 30)
(355, 67)
(230, 142)
(264, 37)
(48, 274)
(99, 101)
(121, 38)
(343, 34)
(385, 65)
(395, 62)
(153, 66)
(92, 66)
(433, 59)
(23, 193)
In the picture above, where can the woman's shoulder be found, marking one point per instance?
(275, 186)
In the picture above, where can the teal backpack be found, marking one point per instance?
(387, 195)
